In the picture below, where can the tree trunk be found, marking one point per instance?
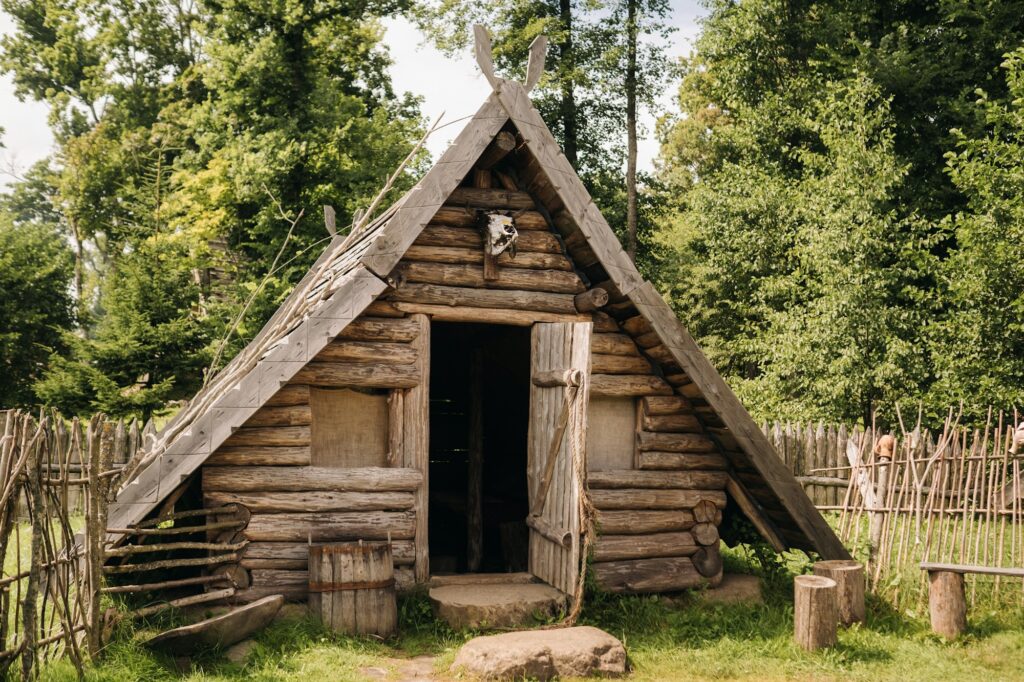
(815, 613)
(947, 603)
(631, 200)
(568, 65)
(849, 578)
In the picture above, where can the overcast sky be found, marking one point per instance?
(452, 85)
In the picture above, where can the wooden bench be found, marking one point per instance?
(947, 602)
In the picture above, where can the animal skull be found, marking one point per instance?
(500, 234)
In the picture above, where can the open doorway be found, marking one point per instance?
(479, 418)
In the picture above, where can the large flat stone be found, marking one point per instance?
(495, 606)
(543, 655)
(735, 589)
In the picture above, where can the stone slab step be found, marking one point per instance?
(505, 605)
(542, 655)
(482, 579)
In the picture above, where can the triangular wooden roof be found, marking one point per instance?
(353, 272)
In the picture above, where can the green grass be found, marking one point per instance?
(667, 638)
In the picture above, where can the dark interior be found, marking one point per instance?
(484, 367)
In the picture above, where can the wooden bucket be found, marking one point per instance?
(352, 587)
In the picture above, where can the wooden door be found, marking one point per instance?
(559, 391)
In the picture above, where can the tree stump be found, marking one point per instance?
(849, 577)
(815, 612)
(947, 603)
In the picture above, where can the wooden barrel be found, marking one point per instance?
(352, 587)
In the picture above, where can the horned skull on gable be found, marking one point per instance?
(499, 232)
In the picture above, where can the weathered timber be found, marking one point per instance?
(302, 479)
(500, 146)
(708, 562)
(376, 375)
(619, 364)
(637, 325)
(331, 526)
(470, 238)
(674, 442)
(294, 555)
(384, 352)
(379, 329)
(664, 405)
(753, 511)
(556, 281)
(381, 308)
(613, 344)
(482, 178)
(632, 522)
(661, 353)
(707, 511)
(682, 461)
(485, 298)
(476, 197)
(618, 547)
(815, 612)
(254, 455)
(530, 260)
(672, 423)
(653, 498)
(314, 501)
(604, 323)
(266, 436)
(352, 588)
(591, 300)
(668, 574)
(131, 550)
(220, 631)
(648, 340)
(172, 563)
(165, 584)
(286, 415)
(947, 603)
(519, 318)
(624, 385)
(849, 579)
(705, 533)
(632, 478)
(416, 445)
(289, 395)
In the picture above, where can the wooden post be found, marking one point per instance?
(475, 472)
(947, 603)
(815, 615)
(416, 440)
(849, 579)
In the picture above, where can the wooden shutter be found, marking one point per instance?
(560, 364)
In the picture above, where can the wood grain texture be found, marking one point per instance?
(556, 281)
(666, 480)
(652, 498)
(640, 576)
(612, 385)
(634, 522)
(259, 456)
(383, 352)
(301, 479)
(619, 547)
(331, 526)
(682, 461)
(469, 238)
(505, 299)
(365, 375)
(313, 501)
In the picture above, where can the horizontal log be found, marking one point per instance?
(275, 577)
(641, 576)
(478, 197)
(530, 260)
(619, 547)
(591, 300)
(650, 498)
(460, 216)
(632, 478)
(374, 375)
(470, 238)
(289, 395)
(284, 415)
(129, 550)
(301, 479)
(331, 526)
(314, 501)
(674, 442)
(661, 353)
(559, 536)
(266, 436)
(519, 318)
(379, 308)
(613, 344)
(435, 294)
(384, 352)
(680, 461)
(404, 581)
(604, 323)
(632, 522)
(623, 385)
(400, 329)
(551, 378)
(556, 281)
(165, 584)
(657, 405)
(637, 325)
(672, 423)
(619, 364)
(503, 143)
(255, 455)
(172, 563)
(648, 340)
(191, 600)
(295, 555)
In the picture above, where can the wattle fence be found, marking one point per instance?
(899, 499)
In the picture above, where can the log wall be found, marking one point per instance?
(266, 465)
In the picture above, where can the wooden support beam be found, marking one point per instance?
(449, 274)
(622, 385)
(367, 375)
(518, 318)
(505, 299)
(363, 352)
(302, 479)
(503, 143)
(591, 300)
(331, 526)
(492, 198)
(527, 260)
(619, 547)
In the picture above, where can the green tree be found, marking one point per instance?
(36, 308)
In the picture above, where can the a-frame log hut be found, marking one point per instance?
(471, 404)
